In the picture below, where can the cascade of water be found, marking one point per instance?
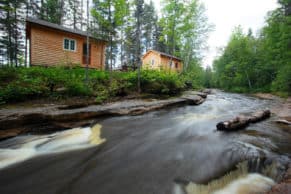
(244, 180)
(68, 140)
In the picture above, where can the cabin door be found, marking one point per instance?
(85, 53)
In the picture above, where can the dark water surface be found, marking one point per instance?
(145, 154)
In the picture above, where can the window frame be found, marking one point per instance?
(70, 43)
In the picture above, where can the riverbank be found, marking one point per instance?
(282, 109)
(42, 118)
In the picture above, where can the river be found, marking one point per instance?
(175, 150)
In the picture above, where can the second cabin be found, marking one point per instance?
(158, 60)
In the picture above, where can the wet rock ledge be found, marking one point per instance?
(14, 121)
(284, 187)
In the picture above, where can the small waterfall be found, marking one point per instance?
(73, 139)
(257, 175)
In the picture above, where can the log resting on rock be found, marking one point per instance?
(243, 121)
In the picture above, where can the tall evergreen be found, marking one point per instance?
(11, 29)
(109, 15)
(52, 11)
(74, 13)
(149, 19)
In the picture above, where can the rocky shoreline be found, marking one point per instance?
(19, 120)
(283, 111)
(284, 187)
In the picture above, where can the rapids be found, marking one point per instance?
(149, 153)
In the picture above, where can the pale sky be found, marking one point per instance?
(226, 14)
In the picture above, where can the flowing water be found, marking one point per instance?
(175, 151)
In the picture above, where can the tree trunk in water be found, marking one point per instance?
(243, 121)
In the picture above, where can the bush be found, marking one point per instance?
(282, 83)
(161, 82)
(19, 84)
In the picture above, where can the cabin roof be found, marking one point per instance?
(163, 54)
(61, 28)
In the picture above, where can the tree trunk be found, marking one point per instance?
(87, 42)
(138, 35)
(242, 121)
(15, 35)
(249, 81)
(81, 15)
(25, 59)
(9, 46)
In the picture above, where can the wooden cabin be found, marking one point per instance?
(158, 60)
(51, 44)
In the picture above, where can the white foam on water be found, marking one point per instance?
(67, 140)
(238, 181)
(11, 156)
(78, 138)
(250, 184)
(247, 184)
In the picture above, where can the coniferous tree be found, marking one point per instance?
(10, 25)
(149, 18)
(109, 15)
(74, 13)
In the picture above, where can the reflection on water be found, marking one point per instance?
(24, 147)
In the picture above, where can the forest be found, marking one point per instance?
(131, 27)
(257, 63)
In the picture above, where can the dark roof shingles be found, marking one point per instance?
(167, 55)
(59, 27)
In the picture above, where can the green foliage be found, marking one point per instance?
(258, 64)
(20, 84)
(283, 80)
(160, 82)
(184, 30)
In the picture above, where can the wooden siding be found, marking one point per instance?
(147, 61)
(161, 62)
(47, 48)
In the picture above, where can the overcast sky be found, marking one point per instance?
(226, 14)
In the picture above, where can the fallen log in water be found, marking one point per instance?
(243, 121)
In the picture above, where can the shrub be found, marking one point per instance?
(18, 84)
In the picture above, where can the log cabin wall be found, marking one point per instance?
(176, 64)
(152, 61)
(157, 61)
(47, 48)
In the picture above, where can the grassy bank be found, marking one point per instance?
(21, 84)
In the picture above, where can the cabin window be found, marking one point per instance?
(153, 62)
(69, 44)
(176, 65)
